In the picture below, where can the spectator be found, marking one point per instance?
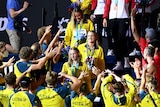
(142, 42)
(23, 98)
(24, 63)
(44, 36)
(10, 88)
(77, 29)
(117, 11)
(150, 66)
(52, 95)
(6, 49)
(97, 16)
(15, 17)
(151, 96)
(4, 53)
(156, 44)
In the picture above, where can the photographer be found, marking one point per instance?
(116, 94)
(15, 24)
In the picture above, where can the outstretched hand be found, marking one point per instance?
(10, 61)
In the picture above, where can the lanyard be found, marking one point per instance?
(116, 2)
(92, 51)
(78, 33)
(90, 59)
(74, 69)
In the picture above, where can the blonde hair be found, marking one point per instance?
(70, 61)
(51, 78)
(40, 32)
(72, 21)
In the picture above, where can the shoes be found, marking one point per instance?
(135, 52)
(126, 62)
(118, 66)
(110, 52)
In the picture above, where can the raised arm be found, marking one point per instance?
(55, 39)
(143, 79)
(42, 61)
(47, 31)
(133, 26)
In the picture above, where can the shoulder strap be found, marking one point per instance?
(152, 100)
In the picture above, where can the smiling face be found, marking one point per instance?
(73, 55)
(78, 16)
(91, 37)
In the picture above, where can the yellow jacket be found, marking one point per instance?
(147, 102)
(85, 5)
(83, 67)
(98, 55)
(108, 96)
(70, 33)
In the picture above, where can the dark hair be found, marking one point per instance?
(84, 88)
(118, 87)
(25, 82)
(25, 52)
(2, 44)
(10, 78)
(78, 9)
(36, 49)
(155, 43)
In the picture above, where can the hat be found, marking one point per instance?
(25, 82)
(51, 77)
(150, 33)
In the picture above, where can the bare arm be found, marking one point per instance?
(133, 26)
(43, 60)
(7, 63)
(143, 79)
(57, 56)
(98, 83)
(52, 43)
(14, 13)
(76, 82)
(47, 31)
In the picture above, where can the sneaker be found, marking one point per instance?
(135, 52)
(118, 66)
(126, 62)
(110, 52)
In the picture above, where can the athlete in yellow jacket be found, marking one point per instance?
(77, 28)
(85, 5)
(118, 98)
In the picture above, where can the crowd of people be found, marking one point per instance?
(84, 75)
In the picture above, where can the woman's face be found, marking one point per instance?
(78, 16)
(91, 37)
(73, 55)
